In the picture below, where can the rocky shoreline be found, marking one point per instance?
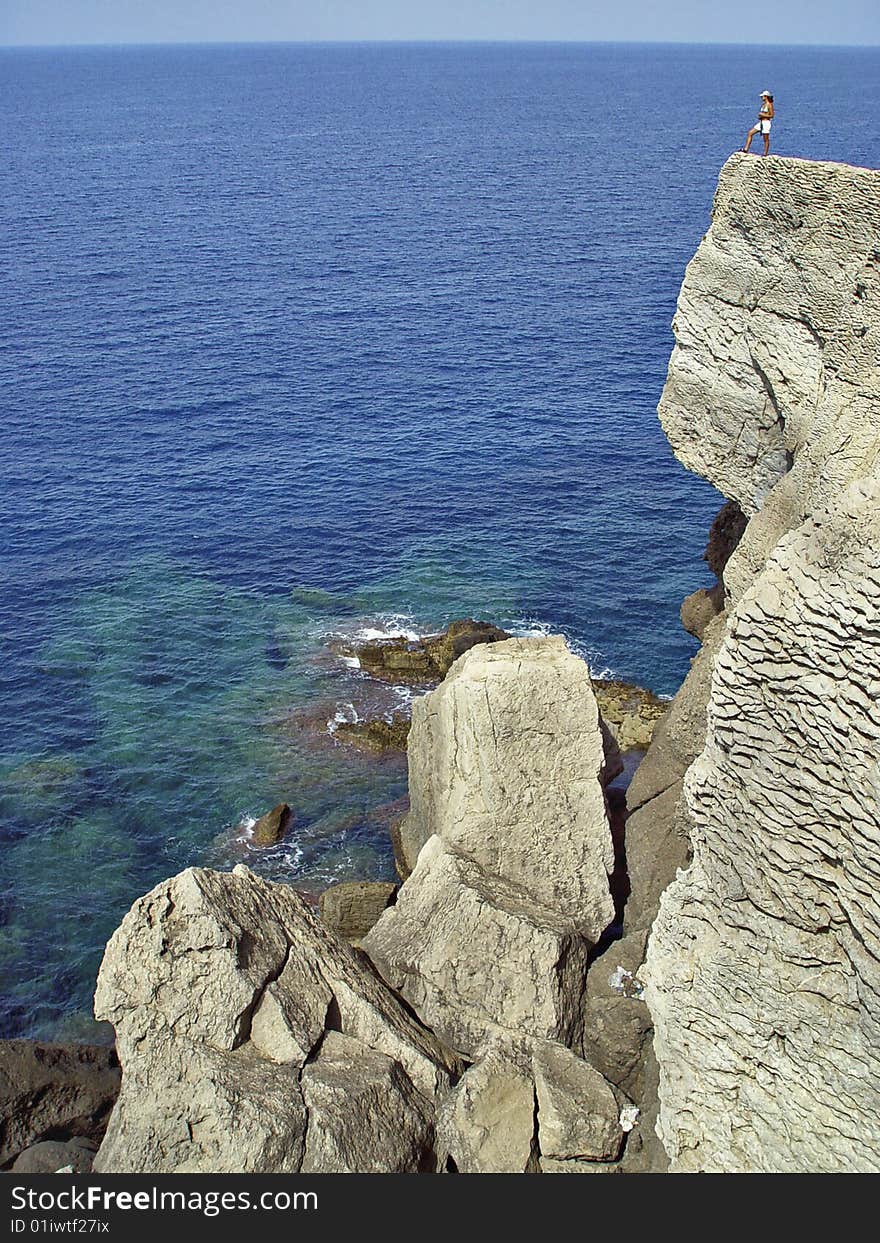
(562, 984)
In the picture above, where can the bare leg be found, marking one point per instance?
(749, 136)
(766, 138)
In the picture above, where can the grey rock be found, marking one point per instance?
(762, 974)
(221, 987)
(365, 1116)
(580, 1115)
(505, 758)
(477, 959)
(678, 738)
(491, 932)
(486, 1124)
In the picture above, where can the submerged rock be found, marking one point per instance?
(631, 712)
(377, 734)
(427, 659)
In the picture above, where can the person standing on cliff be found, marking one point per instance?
(765, 116)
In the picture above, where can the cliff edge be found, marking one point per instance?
(763, 970)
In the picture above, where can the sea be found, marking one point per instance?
(304, 344)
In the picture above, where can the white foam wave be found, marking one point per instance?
(535, 628)
(346, 715)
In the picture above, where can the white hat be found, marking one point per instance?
(763, 93)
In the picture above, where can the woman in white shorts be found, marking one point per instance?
(765, 117)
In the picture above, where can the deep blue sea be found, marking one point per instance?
(308, 341)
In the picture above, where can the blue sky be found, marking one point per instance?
(700, 21)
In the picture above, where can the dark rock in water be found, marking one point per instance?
(428, 659)
(52, 1091)
(270, 828)
(53, 1155)
(351, 908)
(376, 735)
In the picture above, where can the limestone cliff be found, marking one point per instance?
(763, 972)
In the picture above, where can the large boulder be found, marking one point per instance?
(52, 1091)
(486, 1124)
(580, 1115)
(371, 1118)
(493, 929)
(476, 958)
(505, 759)
(221, 988)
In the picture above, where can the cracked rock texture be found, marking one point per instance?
(763, 969)
(253, 1039)
(493, 929)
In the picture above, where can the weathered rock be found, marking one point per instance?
(428, 659)
(631, 712)
(376, 734)
(505, 760)
(550, 1166)
(476, 959)
(52, 1155)
(52, 1090)
(271, 827)
(352, 907)
(580, 1115)
(366, 1116)
(762, 975)
(772, 386)
(221, 986)
(486, 1124)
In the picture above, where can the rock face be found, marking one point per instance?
(238, 1019)
(492, 930)
(52, 1090)
(762, 976)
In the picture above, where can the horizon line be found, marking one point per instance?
(402, 42)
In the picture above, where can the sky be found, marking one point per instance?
(677, 21)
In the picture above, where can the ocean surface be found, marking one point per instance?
(301, 342)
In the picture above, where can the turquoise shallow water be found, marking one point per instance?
(305, 342)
